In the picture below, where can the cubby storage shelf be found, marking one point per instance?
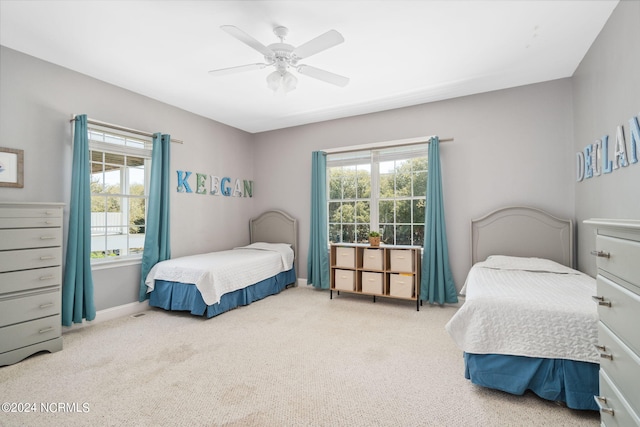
(384, 271)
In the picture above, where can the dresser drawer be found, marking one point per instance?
(30, 212)
(30, 258)
(614, 409)
(30, 222)
(30, 238)
(27, 333)
(17, 309)
(30, 279)
(623, 260)
(621, 365)
(619, 309)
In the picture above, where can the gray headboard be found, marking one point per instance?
(275, 227)
(522, 231)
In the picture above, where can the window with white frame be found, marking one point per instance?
(380, 190)
(120, 170)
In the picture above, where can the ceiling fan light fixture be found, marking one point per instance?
(281, 82)
(273, 80)
(289, 82)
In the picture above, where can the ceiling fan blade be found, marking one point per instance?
(323, 75)
(238, 69)
(320, 43)
(247, 39)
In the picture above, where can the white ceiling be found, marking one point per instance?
(396, 53)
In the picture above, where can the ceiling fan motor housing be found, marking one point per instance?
(282, 56)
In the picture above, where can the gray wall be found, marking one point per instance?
(38, 99)
(606, 94)
(511, 147)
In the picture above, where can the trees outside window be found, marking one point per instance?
(378, 190)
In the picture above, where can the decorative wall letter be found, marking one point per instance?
(580, 165)
(607, 165)
(634, 132)
(237, 189)
(201, 179)
(588, 162)
(596, 152)
(183, 185)
(248, 188)
(226, 191)
(620, 158)
(215, 185)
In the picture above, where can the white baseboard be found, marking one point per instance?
(111, 313)
(301, 282)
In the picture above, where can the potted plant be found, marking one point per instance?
(374, 238)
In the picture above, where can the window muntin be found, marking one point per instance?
(383, 190)
(120, 169)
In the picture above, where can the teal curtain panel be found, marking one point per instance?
(157, 244)
(436, 284)
(77, 285)
(318, 256)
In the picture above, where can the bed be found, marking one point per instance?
(214, 283)
(528, 321)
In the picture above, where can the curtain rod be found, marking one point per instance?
(124, 129)
(388, 144)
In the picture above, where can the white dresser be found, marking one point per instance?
(618, 298)
(30, 279)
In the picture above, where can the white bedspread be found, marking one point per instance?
(218, 273)
(518, 307)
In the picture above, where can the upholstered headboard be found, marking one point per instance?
(522, 231)
(275, 227)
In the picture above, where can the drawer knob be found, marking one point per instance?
(47, 237)
(44, 258)
(601, 401)
(46, 277)
(46, 305)
(601, 254)
(601, 301)
(606, 356)
(45, 330)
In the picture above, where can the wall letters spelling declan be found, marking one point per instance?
(598, 159)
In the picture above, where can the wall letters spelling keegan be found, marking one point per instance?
(217, 186)
(595, 160)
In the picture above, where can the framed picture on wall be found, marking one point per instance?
(11, 167)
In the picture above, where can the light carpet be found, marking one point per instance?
(293, 359)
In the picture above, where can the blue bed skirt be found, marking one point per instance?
(569, 381)
(177, 296)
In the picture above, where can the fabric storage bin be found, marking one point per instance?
(346, 257)
(401, 260)
(372, 283)
(344, 280)
(372, 259)
(401, 285)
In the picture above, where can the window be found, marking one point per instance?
(120, 169)
(380, 189)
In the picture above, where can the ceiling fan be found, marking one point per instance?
(284, 57)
